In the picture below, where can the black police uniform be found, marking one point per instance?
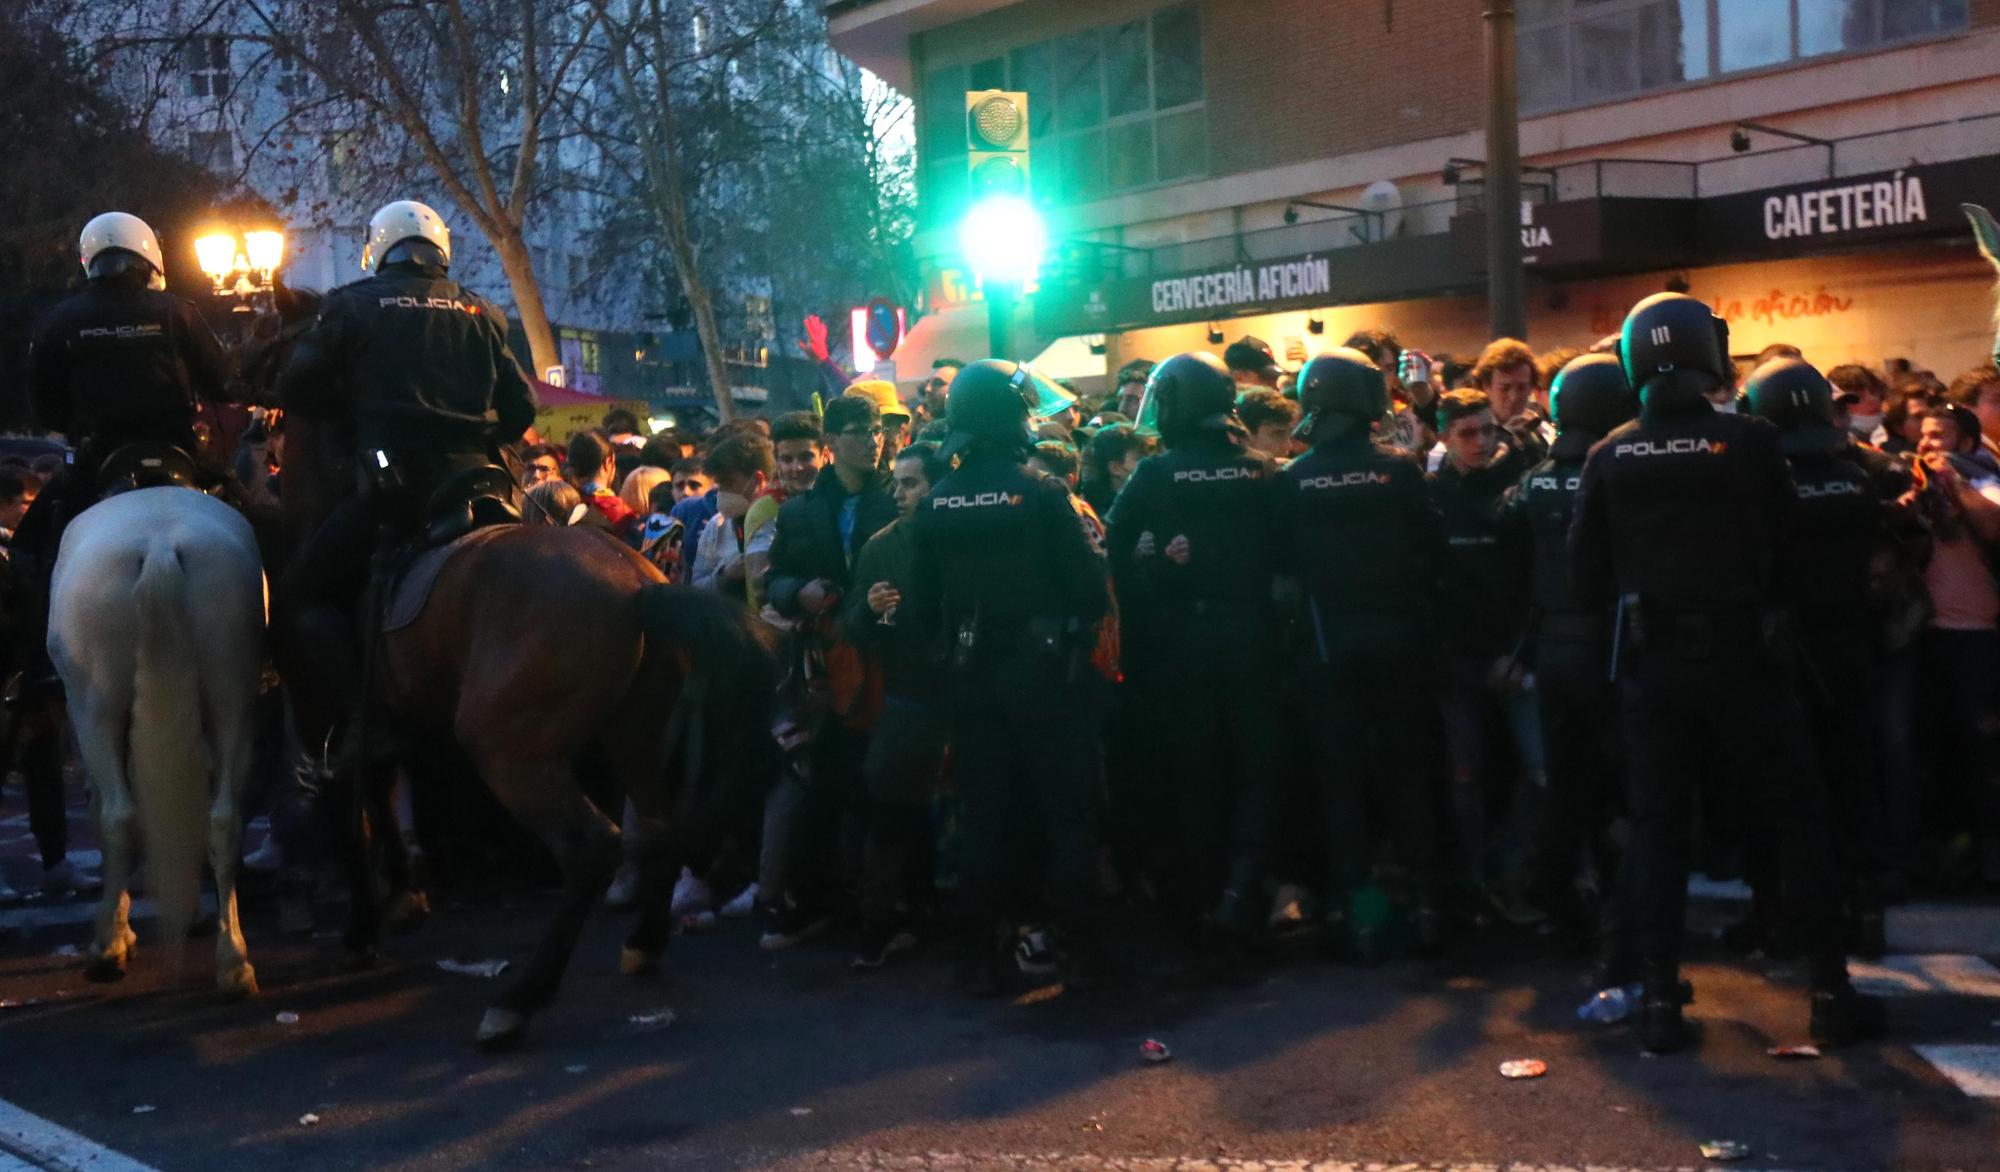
(1219, 725)
(417, 368)
(1003, 569)
(1568, 641)
(1840, 523)
(1686, 515)
(1362, 536)
(114, 363)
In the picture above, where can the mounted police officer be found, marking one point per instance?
(1360, 534)
(1194, 531)
(1840, 522)
(120, 361)
(1685, 518)
(1003, 569)
(414, 369)
(1568, 645)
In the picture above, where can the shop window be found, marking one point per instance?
(1082, 161)
(1131, 154)
(1755, 33)
(1079, 82)
(1183, 145)
(1576, 52)
(1110, 109)
(990, 74)
(1128, 88)
(1176, 57)
(1607, 57)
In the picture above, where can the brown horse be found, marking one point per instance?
(542, 644)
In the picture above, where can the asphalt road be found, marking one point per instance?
(790, 1061)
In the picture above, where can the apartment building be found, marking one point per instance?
(1295, 170)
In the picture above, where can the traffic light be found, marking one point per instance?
(996, 143)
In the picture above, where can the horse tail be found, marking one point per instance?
(167, 765)
(719, 733)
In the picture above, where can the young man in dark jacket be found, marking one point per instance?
(1483, 612)
(819, 536)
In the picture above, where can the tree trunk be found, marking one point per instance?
(518, 263)
(703, 304)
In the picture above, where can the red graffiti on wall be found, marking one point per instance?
(1770, 309)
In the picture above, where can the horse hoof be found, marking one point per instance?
(237, 985)
(633, 962)
(407, 912)
(500, 1028)
(104, 969)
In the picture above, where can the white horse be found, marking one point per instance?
(156, 627)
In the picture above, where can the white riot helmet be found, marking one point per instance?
(393, 223)
(110, 240)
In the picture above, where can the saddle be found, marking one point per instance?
(470, 506)
(468, 499)
(146, 464)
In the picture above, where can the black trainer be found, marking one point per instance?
(1662, 1029)
(879, 942)
(1844, 1015)
(787, 922)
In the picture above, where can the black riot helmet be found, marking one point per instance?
(988, 403)
(1190, 394)
(1674, 349)
(1590, 398)
(1338, 389)
(1791, 393)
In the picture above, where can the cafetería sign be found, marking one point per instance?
(1918, 200)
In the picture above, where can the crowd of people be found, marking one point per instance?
(1382, 651)
(1439, 752)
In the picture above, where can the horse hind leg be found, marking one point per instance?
(653, 849)
(544, 797)
(233, 974)
(100, 724)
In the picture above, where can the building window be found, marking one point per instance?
(293, 80)
(207, 62)
(1579, 52)
(1109, 109)
(213, 149)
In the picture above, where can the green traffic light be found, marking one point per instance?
(1003, 238)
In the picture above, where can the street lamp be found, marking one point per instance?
(1002, 238)
(243, 268)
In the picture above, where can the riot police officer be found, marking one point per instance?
(1361, 536)
(1206, 508)
(416, 369)
(1840, 522)
(1568, 645)
(119, 361)
(1684, 517)
(1004, 571)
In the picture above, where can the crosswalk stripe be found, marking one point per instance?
(1975, 1068)
(54, 1148)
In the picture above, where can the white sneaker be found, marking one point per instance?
(742, 905)
(691, 895)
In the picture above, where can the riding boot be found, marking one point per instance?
(1662, 1029)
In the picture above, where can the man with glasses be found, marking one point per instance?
(812, 559)
(541, 463)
